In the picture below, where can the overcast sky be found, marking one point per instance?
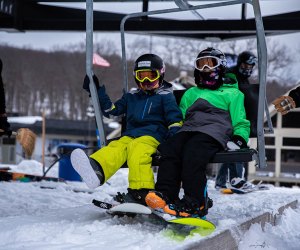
(47, 40)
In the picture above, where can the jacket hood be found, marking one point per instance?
(165, 87)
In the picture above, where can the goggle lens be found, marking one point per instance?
(209, 62)
(142, 75)
(252, 60)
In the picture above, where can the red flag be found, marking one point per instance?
(99, 61)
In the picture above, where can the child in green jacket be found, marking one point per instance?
(214, 117)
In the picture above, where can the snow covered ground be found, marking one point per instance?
(49, 215)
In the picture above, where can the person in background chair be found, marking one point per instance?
(236, 173)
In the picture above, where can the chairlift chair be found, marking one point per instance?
(255, 94)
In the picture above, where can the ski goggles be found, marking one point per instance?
(147, 74)
(252, 60)
(209, 62)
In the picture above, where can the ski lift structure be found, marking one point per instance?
(255, 94)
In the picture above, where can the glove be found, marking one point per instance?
(231, 146)
(4, 126)
(173, 131)
(237, 142)
(86, 83)
(284, 104)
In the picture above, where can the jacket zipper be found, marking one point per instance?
(149, 108)
(145, 108)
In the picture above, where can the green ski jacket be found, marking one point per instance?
(219, 113)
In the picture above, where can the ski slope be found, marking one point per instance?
(49, 215)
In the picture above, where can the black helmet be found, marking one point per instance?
(247, 58)
(149, 62)
(210, 66)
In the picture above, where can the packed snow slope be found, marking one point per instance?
(50, 215)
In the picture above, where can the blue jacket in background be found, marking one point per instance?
(156, 114)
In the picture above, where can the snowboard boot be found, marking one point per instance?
(156, 200)
(89, 170)
(189, 207)
(133, 196)
(239, 183)
(218, 187)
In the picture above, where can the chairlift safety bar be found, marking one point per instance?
(89, 72)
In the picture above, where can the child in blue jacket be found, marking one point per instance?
(152, 115)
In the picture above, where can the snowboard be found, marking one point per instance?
(122, 209)
(189, 221)
(199, 226)
(233, 190)
(130, 209)
(15, 176)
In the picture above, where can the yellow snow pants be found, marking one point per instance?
(137, 152)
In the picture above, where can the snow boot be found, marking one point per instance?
(133, 196)
(89, 170)
(239, 183)
(156, 200)
(189, 207)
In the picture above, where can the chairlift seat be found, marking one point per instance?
(250, 92)
(241, 155)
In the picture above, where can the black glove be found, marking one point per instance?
(240, 141)
(5, 126)
(173, 131)
(86, 83)
(295, 94)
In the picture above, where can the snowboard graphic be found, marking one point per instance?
(190, 225)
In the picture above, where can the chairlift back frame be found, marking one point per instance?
(259, 156)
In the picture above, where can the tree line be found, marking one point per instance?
(39, 81)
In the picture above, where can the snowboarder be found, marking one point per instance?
(4, 125)
(214, 114)
(243, 70)
(152, 115)
(236, 172)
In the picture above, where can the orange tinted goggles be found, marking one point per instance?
(209, 62)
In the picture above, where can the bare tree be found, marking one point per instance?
(105, 47)
(52, 80)
(137, 48)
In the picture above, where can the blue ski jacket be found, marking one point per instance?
(156, 114)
